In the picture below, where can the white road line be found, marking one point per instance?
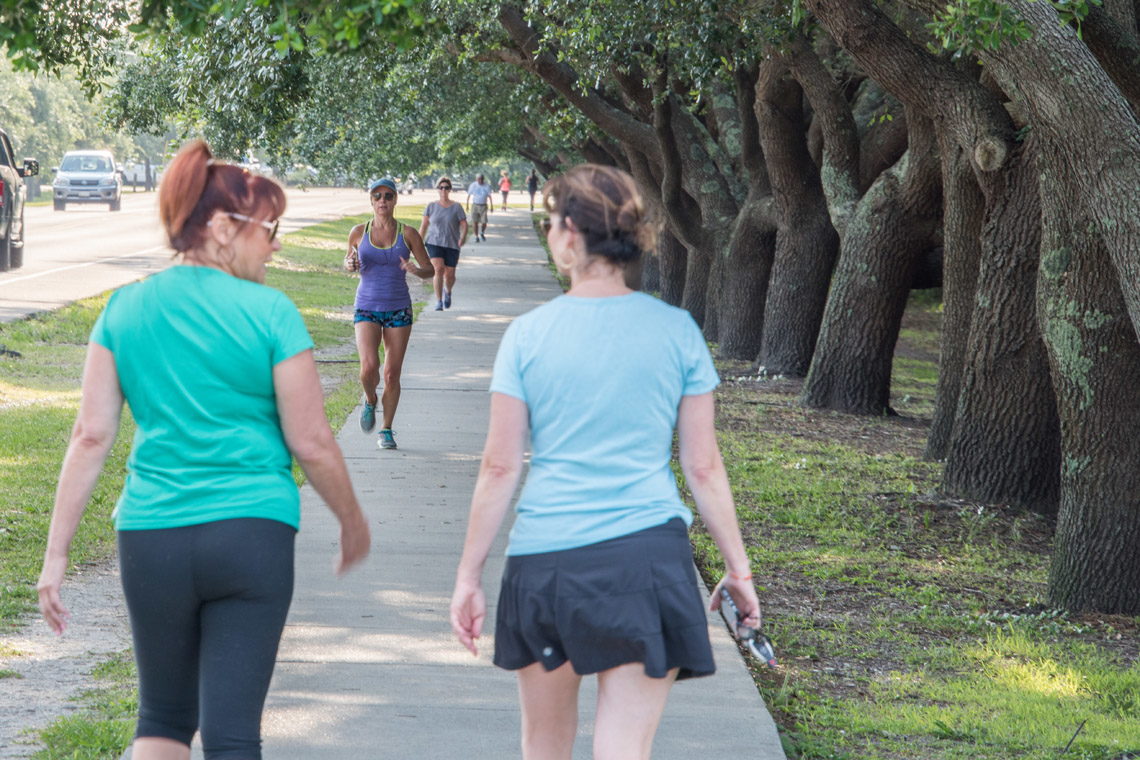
(80, 266)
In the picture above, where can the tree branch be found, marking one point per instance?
(616, 122)
(751, 155)
(684, 217)
(840, 165)
(1117, 50)
(973, 116)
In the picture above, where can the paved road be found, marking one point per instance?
(87, 250)
(368, 667)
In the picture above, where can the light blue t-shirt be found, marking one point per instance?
(195, 350)
(479, 193)
(602, 379)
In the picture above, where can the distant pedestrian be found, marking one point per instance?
(444, 230)
(532, 186)
(479, 205)
(505, 186)
(381, 250)
(599, 576)
(219, 374)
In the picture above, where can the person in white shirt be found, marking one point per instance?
(479, 205)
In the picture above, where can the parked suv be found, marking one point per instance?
(12, 196)
(87, 176)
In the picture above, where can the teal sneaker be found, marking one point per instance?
(368, 417)
(387, 440)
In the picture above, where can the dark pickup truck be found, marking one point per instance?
(12, 196)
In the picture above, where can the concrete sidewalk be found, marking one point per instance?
(368, 667)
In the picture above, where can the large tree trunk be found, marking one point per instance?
(1070, 100)
(747, 269)
(694, 296)
(1006, 441)
(889, 232)
(806, 243)
(1095, 360)
(673, 257)
(963, 210)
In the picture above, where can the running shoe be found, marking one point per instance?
(446, 299)
(387, 440)
(368, 417)
(439, 305)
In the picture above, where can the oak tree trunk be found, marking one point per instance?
(806, 242)
(1095, 360)
(745, 291)
(1005, 445)
(889, 232)
(694, 295)
(672, 258)
(963, 210)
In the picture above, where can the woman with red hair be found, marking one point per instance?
(219, 374)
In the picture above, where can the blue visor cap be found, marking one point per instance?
(387, 182)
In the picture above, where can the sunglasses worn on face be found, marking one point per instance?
(384, 196)
(270, 226)
(445, 187)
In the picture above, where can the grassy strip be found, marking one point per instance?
(908, 626)
(39, 397)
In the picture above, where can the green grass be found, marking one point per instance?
(105, 722)
(908, 627)
(39, 397)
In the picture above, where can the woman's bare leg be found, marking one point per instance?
(437, 281)
(158, 748)
(549, 711)
(368, 336)
(395, 346)
(630, 705)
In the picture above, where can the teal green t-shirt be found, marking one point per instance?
(195, 350)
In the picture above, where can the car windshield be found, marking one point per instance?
(85, 164)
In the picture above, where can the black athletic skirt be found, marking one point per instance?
(629, 599)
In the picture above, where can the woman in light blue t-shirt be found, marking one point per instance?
(219, 374)
(599, 576)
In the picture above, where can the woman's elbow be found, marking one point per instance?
(93, 437)
(703, 473)
(500, 468)
(312, 447)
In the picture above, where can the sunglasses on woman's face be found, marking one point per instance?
(270, 227)
(445, 187)
(384, 196)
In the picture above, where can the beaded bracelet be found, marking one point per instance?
(741, 577)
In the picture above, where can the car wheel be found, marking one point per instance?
(116, 204)
(59, 205)
(6, 252)
(16, 250)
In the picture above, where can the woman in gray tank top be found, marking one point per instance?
(444, 230)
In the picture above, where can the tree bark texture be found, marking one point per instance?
(806, 242)
(672, 258)
(746, 272)
(1071, 101)
(891, 229)
(963, 210)
(694, 296)
(924, 83)
(1095, 361)
(1005, 445)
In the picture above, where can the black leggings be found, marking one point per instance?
(207, 605)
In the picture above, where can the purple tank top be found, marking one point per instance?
(383, 285)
